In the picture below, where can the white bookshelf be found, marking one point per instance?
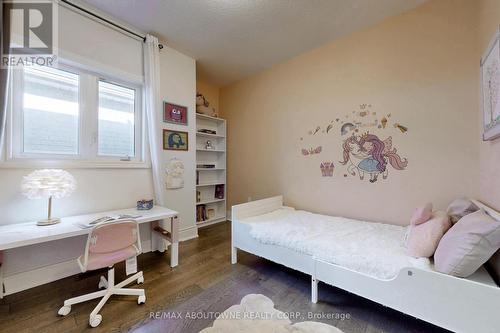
(207, 179)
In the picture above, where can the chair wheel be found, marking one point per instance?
(94, 321)
(140, 280)
(141, 300)
(64, 310)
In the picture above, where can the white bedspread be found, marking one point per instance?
(371, 248)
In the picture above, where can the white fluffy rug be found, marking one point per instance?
(256, 313)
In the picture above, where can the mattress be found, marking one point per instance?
(375, 249)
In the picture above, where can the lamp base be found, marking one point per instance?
(48, 221)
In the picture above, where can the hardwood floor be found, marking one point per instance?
(204, 283)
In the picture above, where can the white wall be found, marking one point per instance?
(178, 86)
(101, 190)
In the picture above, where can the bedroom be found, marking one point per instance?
(349, 109)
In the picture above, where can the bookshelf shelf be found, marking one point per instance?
(205, 202)
(209, 184)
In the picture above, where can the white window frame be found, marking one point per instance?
(87, 152)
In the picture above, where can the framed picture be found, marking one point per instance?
(175, 114)
(175, 140)
(490, 89)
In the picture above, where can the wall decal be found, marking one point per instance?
(346, 128)
(384, 122)
(402, 128)
(311, 151)
(367, 154)
(327, 169)
(328, 128)
(175, 174)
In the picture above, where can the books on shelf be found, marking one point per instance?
(204, 214)
(219, 191)
(201, 213)
(207, 131)
(205, 166)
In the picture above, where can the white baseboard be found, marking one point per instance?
(36, 277)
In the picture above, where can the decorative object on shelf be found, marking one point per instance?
(490, 88)
(175, 174)
(209, 145)
(326, 169)
(219, 191)
(311, 151)
(175, 140)
(175, 114)
(144, 204)
(48, 183)
(205, 166)
(210, 213)
(207, 131)
(203, 106)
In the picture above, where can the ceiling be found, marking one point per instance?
(232, 39)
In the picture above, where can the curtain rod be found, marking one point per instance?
(86, 11)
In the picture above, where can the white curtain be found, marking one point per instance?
(4, 83)
(153, 106)
(4, 78)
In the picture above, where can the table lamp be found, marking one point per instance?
(48, 183)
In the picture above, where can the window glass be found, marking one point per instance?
(116, 134)
(50, 111)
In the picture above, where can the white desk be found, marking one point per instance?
(23, 234)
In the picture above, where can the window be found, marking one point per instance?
(67, 113)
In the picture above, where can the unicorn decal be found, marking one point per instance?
(367, 154)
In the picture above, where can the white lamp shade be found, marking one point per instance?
(48, 183)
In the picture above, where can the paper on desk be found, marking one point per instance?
(90, 224)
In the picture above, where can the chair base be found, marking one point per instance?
(110, 289)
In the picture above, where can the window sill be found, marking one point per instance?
(72, 164)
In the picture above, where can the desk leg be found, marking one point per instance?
(174, 243)
(1, 274)
(172, 236)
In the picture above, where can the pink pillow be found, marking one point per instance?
(421, 214)
(424, 238)
(468, 245)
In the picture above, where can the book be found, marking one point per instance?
(219, 191)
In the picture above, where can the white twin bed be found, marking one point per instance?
(367, 259)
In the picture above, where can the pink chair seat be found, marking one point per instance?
(101, 260)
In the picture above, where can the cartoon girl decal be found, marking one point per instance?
(369, 154)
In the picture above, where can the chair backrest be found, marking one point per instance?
(112, 237)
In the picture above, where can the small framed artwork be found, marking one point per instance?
(490, 89)
(175, 140)
(175, 114)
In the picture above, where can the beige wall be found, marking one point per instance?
(210, 91)
(422, 67)
(489, 152)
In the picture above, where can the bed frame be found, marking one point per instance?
(460, 305)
